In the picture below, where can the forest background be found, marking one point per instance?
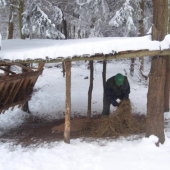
(74, 19)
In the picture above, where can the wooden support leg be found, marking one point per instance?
(90, 90)
(68, 103)
(104, 77)
(63, 66)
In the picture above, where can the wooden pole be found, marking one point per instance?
(68, 103)
(63, 67)
(90, 90)
(104, 77)
(25, 106)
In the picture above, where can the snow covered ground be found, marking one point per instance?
(48, 101)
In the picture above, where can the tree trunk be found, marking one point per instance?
(65, 28)
(90, 90)
(104, 77)
(142, 17)
(155, 105)
(167, 85)
(167, 82)
(68, 103)
(21, 9)
(10, 24)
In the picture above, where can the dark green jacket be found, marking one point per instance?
(114, 92)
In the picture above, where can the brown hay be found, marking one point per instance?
(76, 125)
(121, 122)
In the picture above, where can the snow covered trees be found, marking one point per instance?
(40, 20)
(76, 19)
(13, 8)
(94, 16)
(127, 17)
(37, 18)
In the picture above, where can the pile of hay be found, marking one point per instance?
(121, 122)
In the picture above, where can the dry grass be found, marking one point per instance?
(122, 122)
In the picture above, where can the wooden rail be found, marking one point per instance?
(120, 55)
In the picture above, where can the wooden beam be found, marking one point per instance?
(132, 54)
(68, 103)
(90, 90)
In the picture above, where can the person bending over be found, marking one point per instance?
(117, 87)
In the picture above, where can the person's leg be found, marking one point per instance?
(106, 107)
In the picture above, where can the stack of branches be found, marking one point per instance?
(122, 122)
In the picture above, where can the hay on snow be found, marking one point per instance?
(121, 122)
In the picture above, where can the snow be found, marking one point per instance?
(48, 101)
(80, 155)
(33, 49)
(0, 41)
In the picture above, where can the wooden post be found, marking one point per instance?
(68, 103)
(132, 66)
(25, 106)
(104, 77)
(90, 90)
(63, 67)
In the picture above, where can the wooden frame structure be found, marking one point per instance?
(16, 89)
(24, 81)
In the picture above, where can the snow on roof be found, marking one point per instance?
(0, 41)
(18, 49)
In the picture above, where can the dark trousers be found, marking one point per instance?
(106, 106)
